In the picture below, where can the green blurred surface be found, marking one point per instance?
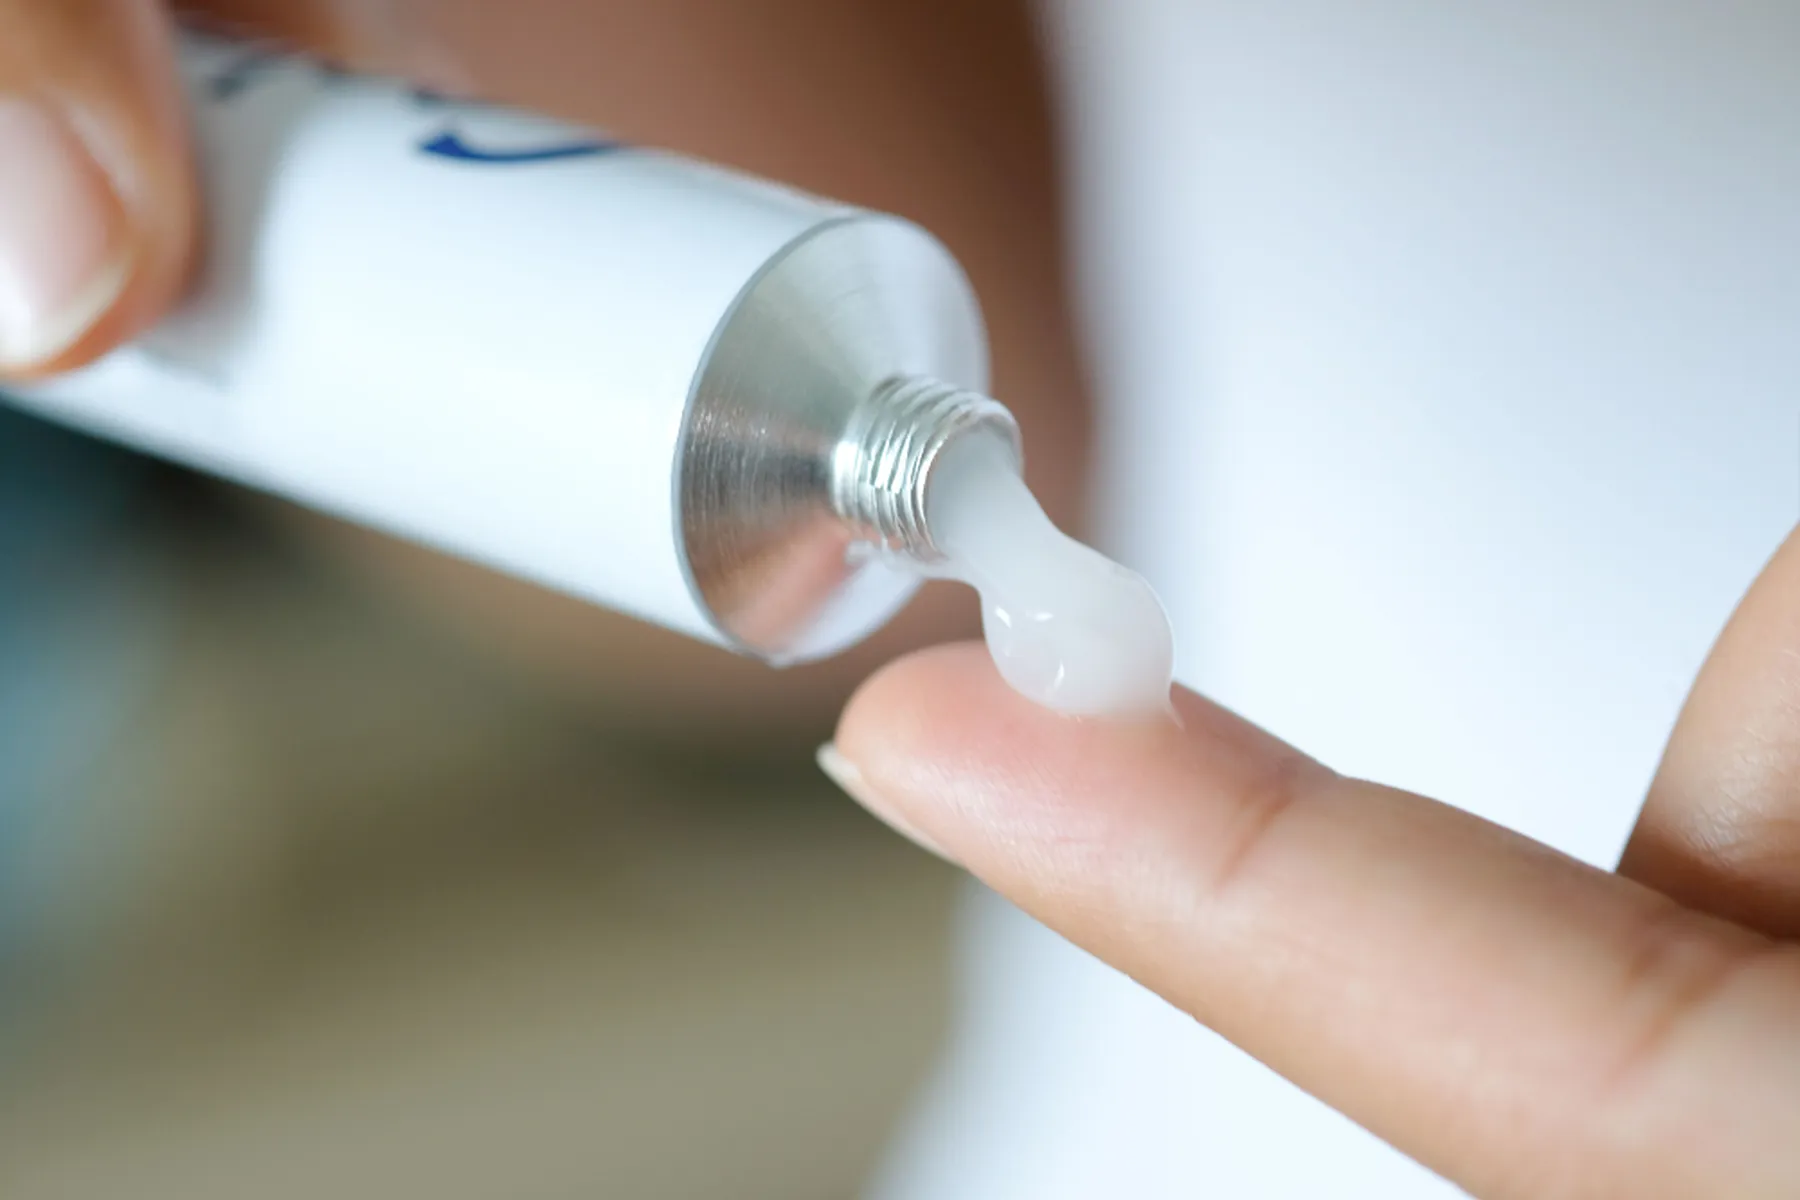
(381, 921)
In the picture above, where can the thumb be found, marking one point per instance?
(97, 202)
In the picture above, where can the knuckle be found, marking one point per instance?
(1679, 977)
(1264, 806)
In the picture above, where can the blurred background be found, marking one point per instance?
(299, 899)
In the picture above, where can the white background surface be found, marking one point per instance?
(1450, 358)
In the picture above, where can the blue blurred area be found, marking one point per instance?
(67, 505)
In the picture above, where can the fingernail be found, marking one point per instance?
(849, 776)
(63, 252)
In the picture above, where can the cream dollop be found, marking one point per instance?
(1068, 628)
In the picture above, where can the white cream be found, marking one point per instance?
(1068, 628)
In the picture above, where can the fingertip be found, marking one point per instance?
(898, 707)
(98, 205)
(1020, 794)
(941, 717)
(65, 245)
(932, 744)
(138, 126)
(948, 706)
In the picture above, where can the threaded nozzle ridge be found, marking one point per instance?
(881, 469)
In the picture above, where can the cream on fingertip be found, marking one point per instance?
(1067, 627)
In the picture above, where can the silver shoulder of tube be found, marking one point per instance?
(828, 390)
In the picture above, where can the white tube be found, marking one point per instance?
(474, 328)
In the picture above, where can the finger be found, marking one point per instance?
(1520, 1022)
(1721, 829)
(97, 205)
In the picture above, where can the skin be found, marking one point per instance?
(1525, 1024)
